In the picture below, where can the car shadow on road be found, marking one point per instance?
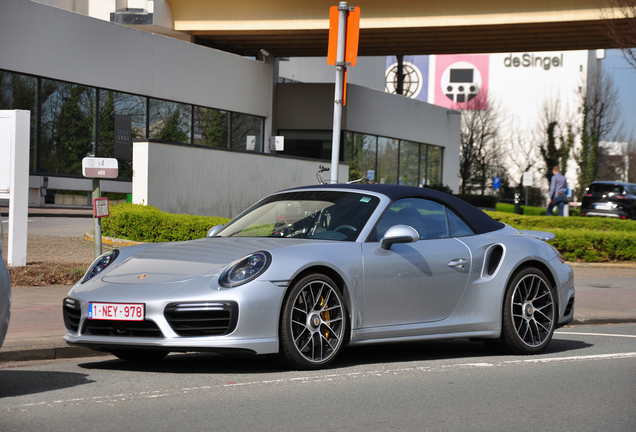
(193, 363)
(22, 383)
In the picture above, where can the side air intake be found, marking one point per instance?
(494, 257)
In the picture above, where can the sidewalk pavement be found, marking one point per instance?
(36, 326)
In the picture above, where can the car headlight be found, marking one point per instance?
(100, 264)
(246, 269)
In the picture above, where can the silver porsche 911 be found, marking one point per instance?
(306, 271)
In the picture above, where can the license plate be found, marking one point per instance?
(117, 311)
(604, 206)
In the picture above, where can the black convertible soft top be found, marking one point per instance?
(479, 221)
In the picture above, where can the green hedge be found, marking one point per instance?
(577, 239)
(581, 239)
(529, 210)
(149, 224)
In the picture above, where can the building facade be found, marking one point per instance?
(76, 73)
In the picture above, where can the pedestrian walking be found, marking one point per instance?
(558, 191)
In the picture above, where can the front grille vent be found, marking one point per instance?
(72, 312)
(147, 328)
(202, 318)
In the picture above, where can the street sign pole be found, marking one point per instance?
(97, 222)
(343, 8)
(98, 168)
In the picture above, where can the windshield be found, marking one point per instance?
(309, 214)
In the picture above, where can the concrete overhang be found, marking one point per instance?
(289, 28)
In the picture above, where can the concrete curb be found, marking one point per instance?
(111, 241)
(54, 353)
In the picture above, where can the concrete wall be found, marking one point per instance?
(217, 182)
(368, 72)
(310, 107)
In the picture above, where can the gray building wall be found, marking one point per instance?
(310, 107)
(216, 182)
(368, 71)
(55, 43)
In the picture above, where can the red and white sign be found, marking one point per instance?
(117, 311)
(100, 167)
(101, 208)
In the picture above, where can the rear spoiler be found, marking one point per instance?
(541, 235)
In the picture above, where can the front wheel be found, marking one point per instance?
(313, 323)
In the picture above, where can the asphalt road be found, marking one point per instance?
(584, 381)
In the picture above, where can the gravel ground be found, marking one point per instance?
(65, 250)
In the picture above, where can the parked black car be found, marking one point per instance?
(610, 199)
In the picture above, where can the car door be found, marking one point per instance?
(414, 282)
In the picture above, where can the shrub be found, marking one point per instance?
(149, 224)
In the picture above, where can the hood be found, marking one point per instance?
(179, 262)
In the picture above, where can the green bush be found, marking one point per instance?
(577, 239)
(571, 223)
(581, 239)
(149, 224)
(530, 211)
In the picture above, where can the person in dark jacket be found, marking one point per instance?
(558, 191)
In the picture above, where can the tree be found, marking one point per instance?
(622, 30)
(556, 137)
(480, 147)
(601, 122)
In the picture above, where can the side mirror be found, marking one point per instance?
(399, 234)
(212, 232)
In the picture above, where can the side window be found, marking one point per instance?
(458, 227)
(427, 217)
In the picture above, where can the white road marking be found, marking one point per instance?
(595, 334)
(151, 394)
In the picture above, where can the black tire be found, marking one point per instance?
(529, 313)
(140, 355)
(313, 324)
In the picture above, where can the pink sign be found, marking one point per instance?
(461, 81)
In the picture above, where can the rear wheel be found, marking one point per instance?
(140, 355)
(529, 314)
(313, 323)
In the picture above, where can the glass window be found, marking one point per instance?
(409, 163)
(170, 121)
(67, 126)
(387, 160)
(309, 144)
(364, 154)
(458, 227)
(247, 132)
(110, 104)
(325, 215)
(20, 92)
(434, 172)
(427, 217)
(211, 127)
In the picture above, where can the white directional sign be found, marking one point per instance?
(100, 167)
(527, 179)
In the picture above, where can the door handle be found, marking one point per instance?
(459, 263)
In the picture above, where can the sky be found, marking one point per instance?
(625, 80)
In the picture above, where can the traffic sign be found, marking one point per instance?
(100, 167)
(351, 39)
(100, 207)
(496, 183)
